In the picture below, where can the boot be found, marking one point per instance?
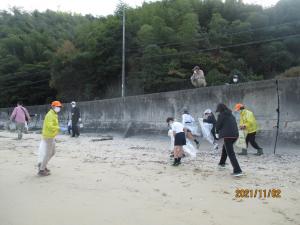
(175, 163)
(244, 152)
(259, 152)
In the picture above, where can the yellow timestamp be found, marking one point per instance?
(258, 193)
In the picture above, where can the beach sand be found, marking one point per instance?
(130, 182)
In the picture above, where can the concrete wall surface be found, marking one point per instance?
(147, 113)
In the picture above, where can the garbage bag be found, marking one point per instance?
(206, 130)
(190, 149)
(12, 126)
(241, 141)
(172, 139)
(42, 150)
(193, 128)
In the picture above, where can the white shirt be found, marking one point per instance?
(187, 118)
(177, 127)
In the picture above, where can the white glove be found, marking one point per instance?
(217, 136)
(79, 120)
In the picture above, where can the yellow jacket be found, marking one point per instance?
(51, 125)
(248, 119)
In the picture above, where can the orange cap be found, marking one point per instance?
(56, 104)
(238, 106)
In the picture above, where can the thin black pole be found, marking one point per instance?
(278, 116)
(123, 55)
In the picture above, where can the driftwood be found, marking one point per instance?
(103, 138)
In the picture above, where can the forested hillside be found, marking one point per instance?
(74, 57)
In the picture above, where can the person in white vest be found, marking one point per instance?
(179, 141)
(190, 127)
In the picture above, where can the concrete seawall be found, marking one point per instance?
(147, 113)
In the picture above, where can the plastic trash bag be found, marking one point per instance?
(188, 148)
(172, 138)
(42, 151)
(12, 126)
(26, 127)
(193, 128)
(63, 129)
(206, 130)
(241, 141)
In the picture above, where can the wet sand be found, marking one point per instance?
(130, 182)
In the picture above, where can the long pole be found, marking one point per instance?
(123, 55)
(278, 117)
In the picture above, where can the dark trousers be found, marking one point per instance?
(75, 129)
(213, 132)
(251, 138)
(69, 129)
(228, 150)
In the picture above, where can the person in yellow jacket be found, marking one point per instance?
(249, 124)
(47, 145)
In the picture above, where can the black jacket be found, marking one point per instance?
(75, 114)
(226, 126)
(210, 119)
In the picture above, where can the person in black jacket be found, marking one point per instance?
(75, 117)
(227, 129)
(209, 117)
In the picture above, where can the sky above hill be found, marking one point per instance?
(94, 7)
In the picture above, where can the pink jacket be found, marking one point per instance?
(19, 114)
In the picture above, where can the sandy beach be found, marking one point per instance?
(130, 182)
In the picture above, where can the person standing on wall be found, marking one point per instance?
(21, 117)
(227, 129)
(249, 125)
(198, 78)
(189, 126)
(50, 131)
(75, 117)
(179, 141)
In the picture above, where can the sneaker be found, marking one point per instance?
(259, 152)
(237, 174)
(244, 152)
(43, 173)
(221, 166)
(175, 164)
(39, 166)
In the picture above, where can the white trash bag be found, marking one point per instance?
(42, 151)
(12, 126)
(188, 148)
(241, 141)
(206, 130)
(170, 134)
